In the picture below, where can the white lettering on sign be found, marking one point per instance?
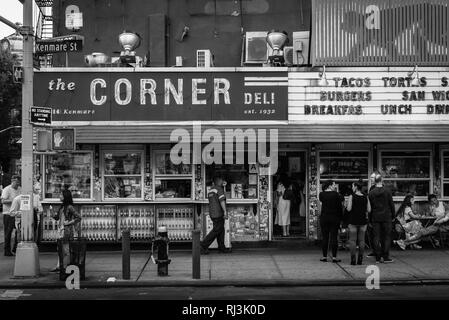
(144, 91)
(177, 94)
(117, 92)
(93, 93)
(221, 90)
(196, 91)
(60, 85)
(148, 88)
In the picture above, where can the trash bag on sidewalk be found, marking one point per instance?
(75, 254)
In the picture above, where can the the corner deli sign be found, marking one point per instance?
(163, 96)
(72, 43)
(375, 96)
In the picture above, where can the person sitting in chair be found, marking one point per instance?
(406, 223)
(441, 223)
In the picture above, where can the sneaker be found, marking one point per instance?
(335, 260)
(9, 254)
(378, 261)
(388, 260)
(323, 259)
(226, 250)
(372, 254)
(417, 246)
(401, 244)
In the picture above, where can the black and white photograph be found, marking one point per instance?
(235, 157)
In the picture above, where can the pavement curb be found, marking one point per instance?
(215, 283)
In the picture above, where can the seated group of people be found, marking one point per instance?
(410, 227)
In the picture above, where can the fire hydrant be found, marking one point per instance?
(161, 244)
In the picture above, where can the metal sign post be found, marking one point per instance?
(27, 254)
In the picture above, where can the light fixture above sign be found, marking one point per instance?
(323, 80)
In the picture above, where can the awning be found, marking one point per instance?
(319, 133)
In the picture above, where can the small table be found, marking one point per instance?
(427, 221)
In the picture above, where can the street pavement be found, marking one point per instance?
(420, 292)
(243, 267)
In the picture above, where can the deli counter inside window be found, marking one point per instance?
(68, 170)
(407, 172)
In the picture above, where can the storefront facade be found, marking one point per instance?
(121, 174)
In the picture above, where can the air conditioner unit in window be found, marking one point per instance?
(256, 47)
(288, 56)
(204, 59)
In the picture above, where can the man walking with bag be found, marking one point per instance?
(381, 217)
(218, 214)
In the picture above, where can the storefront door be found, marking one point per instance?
(292, 171)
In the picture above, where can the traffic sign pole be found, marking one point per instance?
(27, 254)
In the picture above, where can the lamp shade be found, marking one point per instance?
(129, 41)
(277, 40)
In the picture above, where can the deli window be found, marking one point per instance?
(240, 179)
(445, 174)
(122, 174)
(407, 172)
(344, 167)
(171, 181)
(68, 170)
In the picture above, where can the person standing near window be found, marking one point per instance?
(8, 195)
(381, 217)
(283, 208)
(218, 214)
(358, 207)
(330, 219)
(68, 226)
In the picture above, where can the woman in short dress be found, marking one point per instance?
(283, 209)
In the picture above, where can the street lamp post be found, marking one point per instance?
(27, 254)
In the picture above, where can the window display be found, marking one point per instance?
(344, 167)
(244, 222)
(173, 188)
(68, 170)
(239, 183)
(122, 174)
(164, 165)
(445, 174)
(406, 172)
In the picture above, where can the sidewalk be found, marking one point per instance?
(244, 267)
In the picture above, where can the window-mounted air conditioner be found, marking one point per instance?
(257, 49)
(288, 56)
(204, 59)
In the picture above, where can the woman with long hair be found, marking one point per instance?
(283, 207)
(68, 226)
(407, 220)
(358, 207)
